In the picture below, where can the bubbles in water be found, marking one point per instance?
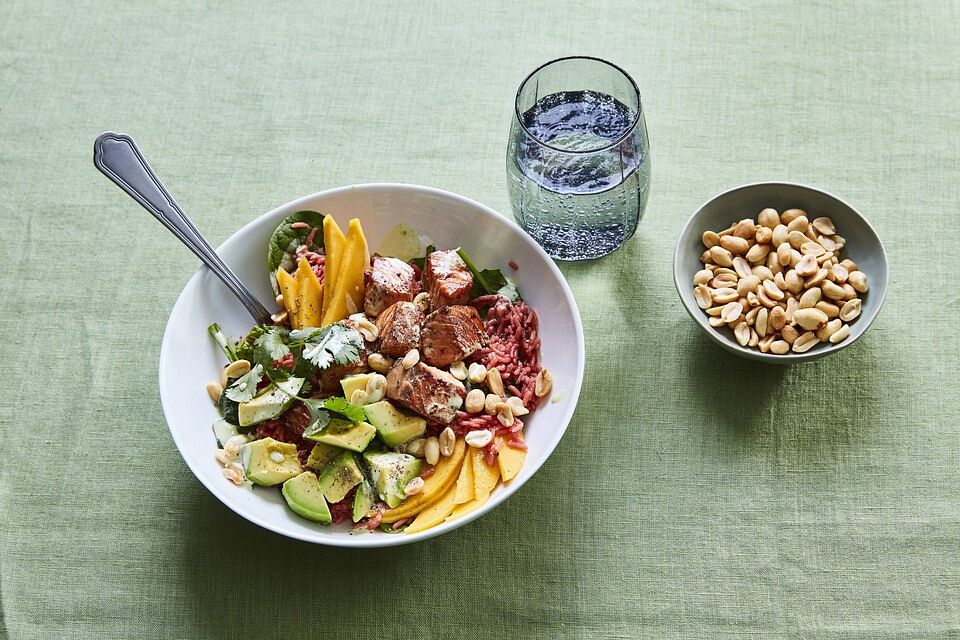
(575, 191)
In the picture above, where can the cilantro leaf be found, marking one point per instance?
(273, 345)
(319, 417)
(320, 412)
(334, 344)
(244, 388)
(302, 335)
(340, 405)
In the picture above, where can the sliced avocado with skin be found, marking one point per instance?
(353, 383)
(345, 434)
(268, 462)
(363, 501)
(394, 426)
(271, 402)
(304, 497)
(391, 472)
(321, 455)
(340, 476)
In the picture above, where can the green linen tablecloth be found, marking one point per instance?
(695, 495)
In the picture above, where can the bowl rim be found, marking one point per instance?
(788, 358)
(381, 539)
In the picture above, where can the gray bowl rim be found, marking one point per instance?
(789, 358)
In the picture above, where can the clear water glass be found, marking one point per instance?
(578, 160)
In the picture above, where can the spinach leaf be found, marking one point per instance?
(488, 281)
(286, 239)
(420, 262)
(229, 409)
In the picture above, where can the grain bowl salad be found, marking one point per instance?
(388, 392)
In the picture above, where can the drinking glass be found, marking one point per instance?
(578, 160)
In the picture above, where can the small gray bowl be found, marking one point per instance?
(863, 247)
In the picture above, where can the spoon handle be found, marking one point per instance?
(117, 156)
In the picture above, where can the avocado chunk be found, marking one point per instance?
(224, 430)
(363, 501)
(340, 476)
(352, 383)
(394, 426)
(391, 472)
(303, 495)
(321, 455)
(268, 462)
(345, 434)
(271, 402)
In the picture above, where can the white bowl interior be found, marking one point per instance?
(863, 247)
(189, 358)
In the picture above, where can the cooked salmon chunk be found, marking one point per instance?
(389, 280)
(428, 391)
(399, 328)
(450, 334)
(447, 279)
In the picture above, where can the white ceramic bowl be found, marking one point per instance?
(189, 358)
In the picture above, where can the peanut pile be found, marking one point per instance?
(779, 283)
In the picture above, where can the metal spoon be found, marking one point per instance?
(116, 156)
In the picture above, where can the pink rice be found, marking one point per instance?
(314, 259)
(514, 345)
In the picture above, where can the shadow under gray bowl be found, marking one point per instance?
(863, 246)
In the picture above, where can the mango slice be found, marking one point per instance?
(444, 475)
(310, 295)
(435, 513)
(466, 508)
(334, 242)
(485, 477)
(509, 460)
(349, 282)
(290, 290)
(464, 491)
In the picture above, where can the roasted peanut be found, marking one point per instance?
(858, 280)
(769, 218)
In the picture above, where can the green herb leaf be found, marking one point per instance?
(244, 388)
(489, 280)
(340, 405)
(286, 240)
(420, 262)
(319, 417)
(246, 346)
(273, 345)
(334, 344)
(225, 343)
(229, 409)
